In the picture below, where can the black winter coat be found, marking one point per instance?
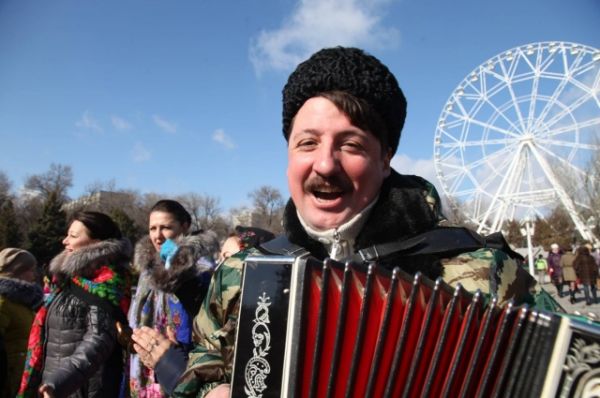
(82, 355)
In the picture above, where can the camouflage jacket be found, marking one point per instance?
(210, 361)
(490, 271)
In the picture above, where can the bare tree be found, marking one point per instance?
(57, 180)
(592, 188)
(557, 227)
(5, 185)
(512, 233)
(99, 186)
(126, 207)
(268, 207)
(584, 188)
(204, 209)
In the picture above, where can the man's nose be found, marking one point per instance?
(327, 161)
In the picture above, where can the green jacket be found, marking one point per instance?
(18, 302)
(541, 264)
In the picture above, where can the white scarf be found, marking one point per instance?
(339, 242)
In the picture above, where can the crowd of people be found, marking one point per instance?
(573, 268)
(98, 333)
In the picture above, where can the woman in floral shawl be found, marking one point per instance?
(73, 349)
(175, 269)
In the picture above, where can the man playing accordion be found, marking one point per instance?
(343, 113)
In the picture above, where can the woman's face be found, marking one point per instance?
(163, 226)
(77, 237)
(230, 247)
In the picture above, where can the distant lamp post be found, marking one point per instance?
(527, 230)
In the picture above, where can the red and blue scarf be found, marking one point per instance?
(106, 284)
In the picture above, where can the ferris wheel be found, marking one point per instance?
(516, 136)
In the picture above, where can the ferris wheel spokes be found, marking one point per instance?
(510, 122)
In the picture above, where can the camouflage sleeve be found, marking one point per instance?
(210, 361)
(492, 272)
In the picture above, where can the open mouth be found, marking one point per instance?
(328, 191)
(322, 195)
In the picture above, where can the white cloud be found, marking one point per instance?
(223, 139)
(140, 153)
(120, 123)
(315, 24)
(164, 125)
(425, 168)
(87, 122)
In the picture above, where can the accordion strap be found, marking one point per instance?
(441, 242)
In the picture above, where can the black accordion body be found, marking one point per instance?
(311, 328)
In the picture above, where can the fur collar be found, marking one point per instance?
(400, 212)
(21, 292)
(85, 261)
(183, 266)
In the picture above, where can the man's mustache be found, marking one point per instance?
(339, 182)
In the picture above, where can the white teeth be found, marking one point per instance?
(328, 191)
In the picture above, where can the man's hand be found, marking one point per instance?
(222, 391)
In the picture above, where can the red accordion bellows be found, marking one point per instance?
(364, 331)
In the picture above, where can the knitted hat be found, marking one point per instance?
(353, 71)
(16, 261)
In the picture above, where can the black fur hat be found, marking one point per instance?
(353, 71)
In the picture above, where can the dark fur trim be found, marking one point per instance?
(22, 292)
(183, 266)
(400, 212)
(144, 255)
(85, 261)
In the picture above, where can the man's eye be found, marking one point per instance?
(307, 143)
(353, 145)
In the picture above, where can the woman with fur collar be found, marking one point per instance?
(20, 297)
(175, 270)
(73, 349)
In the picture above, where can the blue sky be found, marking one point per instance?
(185, 96)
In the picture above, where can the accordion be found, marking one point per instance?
(310, 328)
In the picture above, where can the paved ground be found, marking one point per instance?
(579, 306)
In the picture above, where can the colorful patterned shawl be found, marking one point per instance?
(106, 284)
(158, 310)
